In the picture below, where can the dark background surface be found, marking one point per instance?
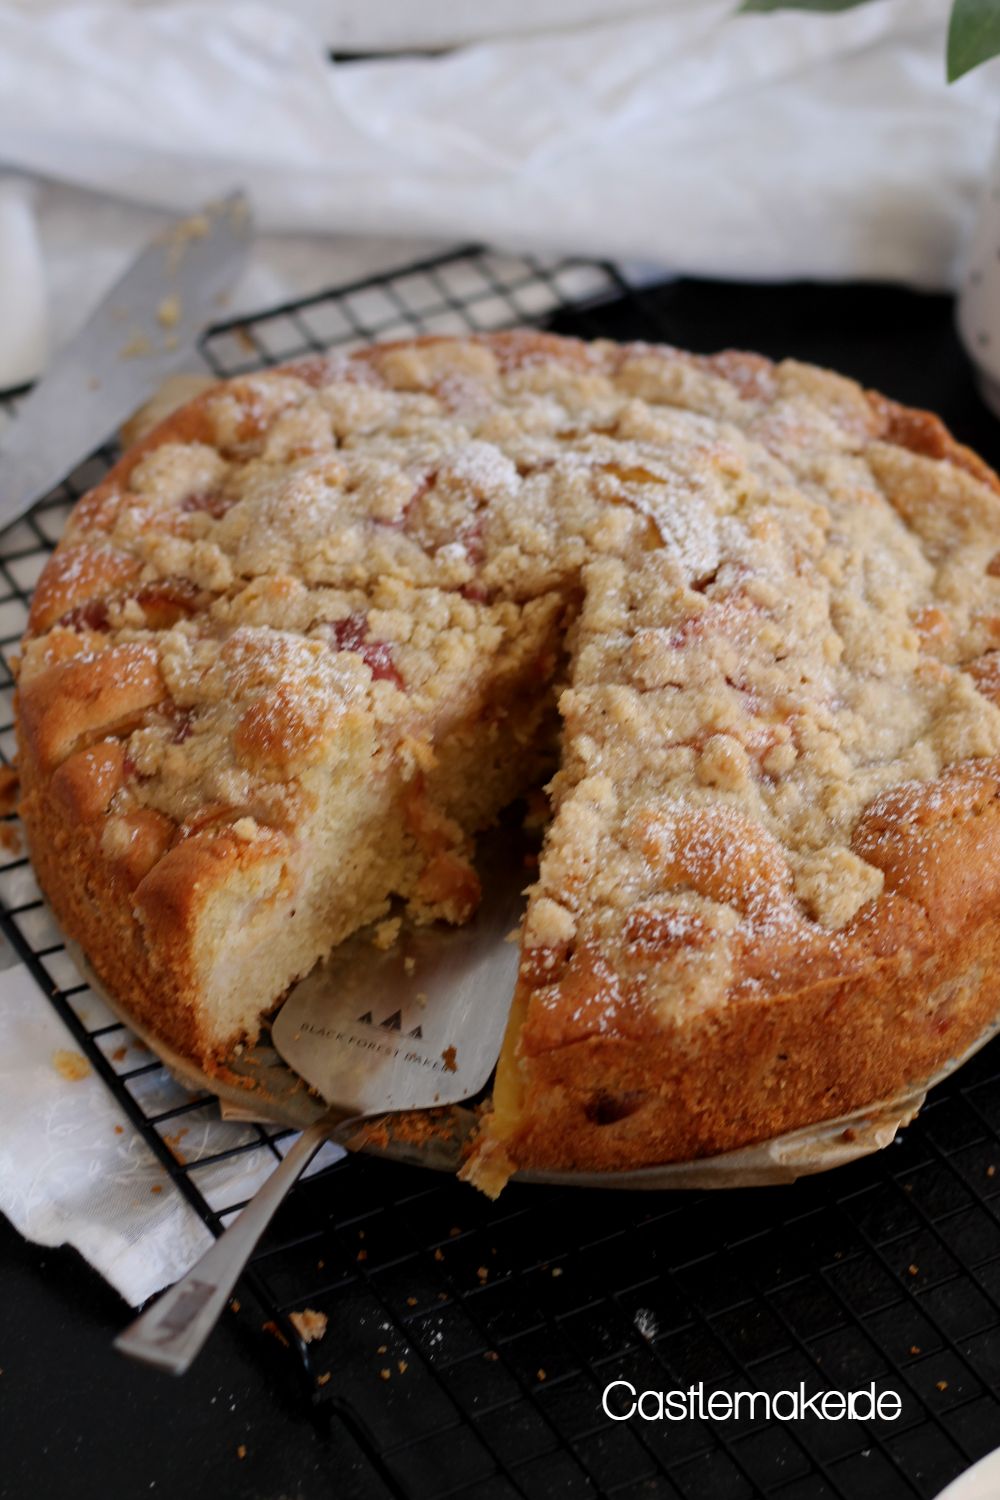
(888, 1270)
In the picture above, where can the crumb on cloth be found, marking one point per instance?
(70, 1065)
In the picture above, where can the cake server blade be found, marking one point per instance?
(143, 331)
(373, 1030)
(419, 1023)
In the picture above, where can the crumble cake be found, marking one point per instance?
(322, 623)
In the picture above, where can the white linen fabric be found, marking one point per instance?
(774, 146)
(73, 1171)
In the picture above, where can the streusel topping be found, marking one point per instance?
(779, 616)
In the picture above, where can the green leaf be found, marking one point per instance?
(973, 36)
(761, 5)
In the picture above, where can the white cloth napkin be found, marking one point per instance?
(73, 1171)
(779, 145)
(365, 26)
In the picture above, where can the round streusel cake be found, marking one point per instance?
(323, 623)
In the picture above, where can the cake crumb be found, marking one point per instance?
(541, 1375)
(409, 964)
(913, 1270)
(173, 1140)
(386, 933)
(448, 1058)
(70, 1065)
(136, 347)
(323, 1379)
(241, 1450)
(402, 1366)
(309, 1324)
(168, 314)
(942, 1385)
(385, 1374)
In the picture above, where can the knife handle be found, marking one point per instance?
(173, 1331)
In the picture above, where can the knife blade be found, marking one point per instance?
(143, 331)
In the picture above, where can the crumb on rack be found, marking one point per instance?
(309, 1324)
(173, 1140)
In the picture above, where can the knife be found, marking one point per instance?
(143, 331)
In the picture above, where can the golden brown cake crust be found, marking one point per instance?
(847, 975)
(913, 985)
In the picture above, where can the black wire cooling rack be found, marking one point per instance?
(469, 1343)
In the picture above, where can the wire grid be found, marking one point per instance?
(469, 1342)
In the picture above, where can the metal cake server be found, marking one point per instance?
(373, 1030)
(143, 331)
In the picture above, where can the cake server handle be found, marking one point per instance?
(173, 1331)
